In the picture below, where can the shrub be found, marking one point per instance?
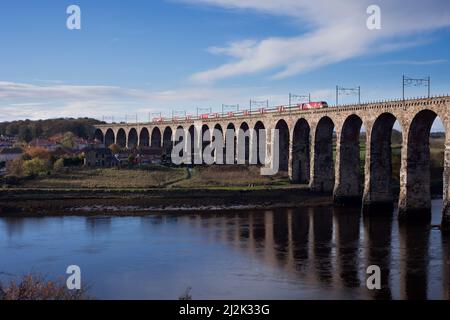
(12, 180)
(131, 160)
(15, 168)
(37, 152)
(58, 165)
(115, 149)
(73, 162)
(34, 167)
(68, 140)
(36, 288)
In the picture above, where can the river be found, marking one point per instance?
(303, 253)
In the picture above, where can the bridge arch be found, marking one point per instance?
(168, 140)
(378, 185)
(144, 138)
(132, 139)
(348, 162)
(98, 136)
(206, 131)
(283, 131)
(156, 138)
(205, 142)
(218, 129)
(261, 134)
(193, 139)
(230, 147)
(122, 138)
(415, 182)
(179, 137)
(109, 137)
(243, 143)
(301, 152)
(322, 175)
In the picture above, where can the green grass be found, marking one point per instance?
(231, 176)
(221, 177)
(108, 179)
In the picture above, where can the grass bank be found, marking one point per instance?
(138, 191)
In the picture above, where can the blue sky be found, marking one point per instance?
(141, 57)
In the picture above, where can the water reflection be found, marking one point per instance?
(414, 242)
(322, 221)
(98, 225)
(378, 235)
(446, 266)
(297, 253)
(300, 240)
(14, 226)
(347, 224)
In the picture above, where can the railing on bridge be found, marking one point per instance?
(280, 109)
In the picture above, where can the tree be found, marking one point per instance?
(34, 167)
(58, 165)
(36, 130)
(25, 134)
(12, 129)
(68, 140)
(131, 159)
(40, 153)
(83, 127)
(15, 168)
(115, 149)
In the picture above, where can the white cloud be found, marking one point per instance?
(412, 62)
(31, 101)
(337, 33)
(10, 90)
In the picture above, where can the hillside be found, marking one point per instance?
(27, 130)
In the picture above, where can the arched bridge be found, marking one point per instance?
(306, 147)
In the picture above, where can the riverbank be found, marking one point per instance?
(41, 202)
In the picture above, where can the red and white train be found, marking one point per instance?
(280, 109)
(313, 105)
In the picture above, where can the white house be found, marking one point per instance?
(10, 154)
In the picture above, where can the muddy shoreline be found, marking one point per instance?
(14, 203)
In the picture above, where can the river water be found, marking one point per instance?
(307, 253)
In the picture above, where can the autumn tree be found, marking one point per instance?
(34, 167)
(115, 149)
(38, 152)
(15, 168)
(68, 140)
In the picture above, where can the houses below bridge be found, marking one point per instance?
(105, 158)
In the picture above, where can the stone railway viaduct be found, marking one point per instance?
(306, 147)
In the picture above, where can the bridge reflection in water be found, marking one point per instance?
(331, 248)
(303, 253)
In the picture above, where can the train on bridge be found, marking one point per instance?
(280, 109)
